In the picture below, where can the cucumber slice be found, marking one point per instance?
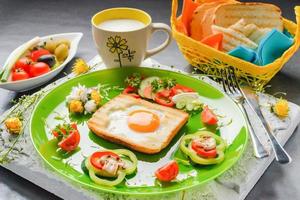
(144, 84)
(180, 105)
(189, 106)
(189, 100)
(185, 97)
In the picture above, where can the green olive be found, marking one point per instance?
(61, 52)
(50, 45)
(63, 41)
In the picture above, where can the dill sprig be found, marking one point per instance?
(22, 105)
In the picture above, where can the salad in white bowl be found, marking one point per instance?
(38, 61)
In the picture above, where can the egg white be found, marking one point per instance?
(118, 124)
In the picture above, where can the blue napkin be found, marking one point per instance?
(245, 53)
(272, 46)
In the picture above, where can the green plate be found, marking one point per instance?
(143, 182)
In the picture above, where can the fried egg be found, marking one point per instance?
(136, 123)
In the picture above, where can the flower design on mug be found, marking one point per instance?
(118, 45)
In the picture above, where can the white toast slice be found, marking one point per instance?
(110, 123)
(261, 14)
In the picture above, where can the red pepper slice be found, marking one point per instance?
(208, 117)
(163, 98)
(177, 89)
(168, 172)
(131, 91)
(71, 142)
(95, 158)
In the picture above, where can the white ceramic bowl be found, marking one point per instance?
(28, 84)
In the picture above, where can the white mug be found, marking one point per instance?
(125, 44)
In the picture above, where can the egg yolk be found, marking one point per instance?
(143, 121)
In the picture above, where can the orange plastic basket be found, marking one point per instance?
(210, 60)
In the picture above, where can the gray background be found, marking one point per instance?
(22, 20)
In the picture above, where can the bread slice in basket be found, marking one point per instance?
(261, 14)
(110, 122)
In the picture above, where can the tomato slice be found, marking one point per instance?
(131, 91)
(95, 158)
(71, 142)
(148, 92)
(55, 134)
(36, 54)
(208, 117)
(177, 89)
(74, 126)
(164, 98)
(202, 152)
(19, 74)
(168, 172)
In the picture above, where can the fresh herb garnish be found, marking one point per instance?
(168, 83)
(164, 83)
(134, 80)
(156, 85)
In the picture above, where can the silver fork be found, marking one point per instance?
(232, 89)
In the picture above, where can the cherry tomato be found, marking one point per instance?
(19, 74)
(202, 152)
(23, 63)
(163, 98)
(71, 142)
(36, 54)
(74, 126)
(131, 91)
(38, 69)
(55, 134)
(177, 89)
(168, 172)
(97, 155)
(208, 117)
(63, 131)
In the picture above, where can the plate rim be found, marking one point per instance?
(114, 191)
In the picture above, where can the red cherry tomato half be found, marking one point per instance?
(131, 91)
(95, 158)
(39, 69)
(36, 54)
(163, 98)
(202, 152)
(63, 131)
(208, 117)
(71, 142)
(74, 126)
(177, 89)
(19, 74)
(55, 134)
(168, 172)
(24, 64)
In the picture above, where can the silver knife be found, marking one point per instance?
(252, 99)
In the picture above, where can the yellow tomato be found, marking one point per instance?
(96, 96)
(76, 106)
(13, 125)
